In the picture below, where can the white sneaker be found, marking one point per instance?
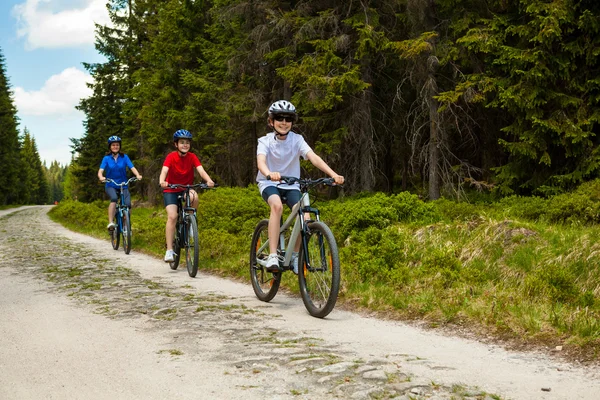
(169, 256)
(294, 262)
(111, 226)
(273, 263)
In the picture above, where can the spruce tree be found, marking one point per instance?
(9, 138)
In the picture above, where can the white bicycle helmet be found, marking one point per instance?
(282, 107)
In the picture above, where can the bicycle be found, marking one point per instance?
(123, 216)
(318, 258)
(186, 229)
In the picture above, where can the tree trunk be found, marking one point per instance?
(434, 132)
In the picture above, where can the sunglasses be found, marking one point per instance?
(283, 118)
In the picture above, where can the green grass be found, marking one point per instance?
(488, 268)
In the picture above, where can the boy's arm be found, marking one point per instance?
(261, 164)
(205, 176)
(163, 176)
(322, 165)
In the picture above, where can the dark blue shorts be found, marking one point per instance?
(171, 198)
(291, 197)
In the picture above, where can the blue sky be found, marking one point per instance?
(44, 43)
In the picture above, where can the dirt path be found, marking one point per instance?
(79, 320)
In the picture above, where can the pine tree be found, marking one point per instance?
(33, 177)
(9, 137)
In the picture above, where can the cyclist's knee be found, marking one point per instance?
(276, 208)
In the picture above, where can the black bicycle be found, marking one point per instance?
(123, 217)
(186, 229)
(318, 259)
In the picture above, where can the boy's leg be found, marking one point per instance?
(271, 195)
(193, 199)
(293, 197)
(170, 227)
(170, 201)
(276, 206)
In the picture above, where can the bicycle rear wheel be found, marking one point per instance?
(115, 234)
(192, 247)
(126, 231)
(265, 284)
(176, 246)
(319, 276)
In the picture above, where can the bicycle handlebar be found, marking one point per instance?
(307, 182)
(194, 186)
(131, 180)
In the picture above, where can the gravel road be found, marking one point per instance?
(79, 320)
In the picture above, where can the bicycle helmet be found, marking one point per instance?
(182, 134)
(283, 107)
(113, 139)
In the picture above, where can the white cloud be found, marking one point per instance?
(59, 95)
(44, 25)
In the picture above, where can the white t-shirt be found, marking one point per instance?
(283, 156)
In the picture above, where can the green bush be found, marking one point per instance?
(457, 211)
(578, 208)
(378, 210)
(531, 208)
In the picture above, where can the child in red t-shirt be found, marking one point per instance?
(178, 168)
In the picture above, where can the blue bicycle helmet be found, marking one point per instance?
(182, 134)
(113, 139)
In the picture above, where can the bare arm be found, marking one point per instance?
(261, 163)
(205, 176)
(101, 175)
(136, 173)
(322, 165)
(163, 176)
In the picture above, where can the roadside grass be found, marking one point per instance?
(527, 275)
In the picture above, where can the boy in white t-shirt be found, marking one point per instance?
(278, 154)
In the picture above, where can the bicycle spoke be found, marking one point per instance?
(320, 276)
(265, 284)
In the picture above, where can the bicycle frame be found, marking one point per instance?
(299, 229)
(121, 201)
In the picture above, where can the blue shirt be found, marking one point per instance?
(116, 169)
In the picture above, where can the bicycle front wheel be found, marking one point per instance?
(192, 247)
(115, 235)
(319, 275)
(125, 218)
(176, 246)
(264, 283)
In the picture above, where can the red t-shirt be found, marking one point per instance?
(181, 169)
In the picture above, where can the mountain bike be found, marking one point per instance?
(123, 217)
(186, 229)
(318, 258)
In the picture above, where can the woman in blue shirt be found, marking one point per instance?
(115, 164)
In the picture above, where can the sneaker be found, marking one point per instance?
(169, 256)
(273, 263)
(294, 262)
(111, 226)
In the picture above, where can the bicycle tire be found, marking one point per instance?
(265, 284)
(115, 235)
(319, 283)
(192, 247)
(176, 246)
(126, 231)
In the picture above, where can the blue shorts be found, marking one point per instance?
(171, 198)
(291, 197)
(113, 194)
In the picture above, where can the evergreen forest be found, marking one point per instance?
(24, 178)
(437, 97)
